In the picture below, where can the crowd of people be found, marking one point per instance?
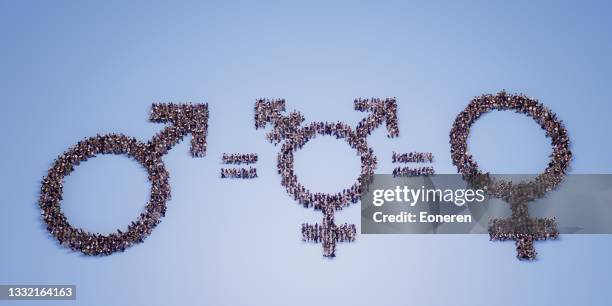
(185, 119)
(324, 234)
(288, 129)
(238, 159)
(409, 171)
(95, 243)
(382, 110)
(243, 173)
(193, 119)
(267, 111)
(412, 157)
(524, 232)
(520, 226)
(285, 166)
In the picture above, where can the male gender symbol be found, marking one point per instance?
(185, 119)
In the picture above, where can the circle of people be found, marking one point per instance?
(520, 228)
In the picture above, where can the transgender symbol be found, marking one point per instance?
(185, 119)
(288, 128)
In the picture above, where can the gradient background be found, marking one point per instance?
(71, 70)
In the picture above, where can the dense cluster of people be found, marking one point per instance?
(193, 119)
(412, 157)
(319, 200)
(322, 234)
(520, 227)
(238, 159)
(409, 171)
(243, 173)
(382, 110)
(524, 231)
(288, 129)
(267, 111)
(185, 119)
(328, 233)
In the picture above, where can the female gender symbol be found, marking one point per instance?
(519, 226)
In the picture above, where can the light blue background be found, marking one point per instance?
(71, 70)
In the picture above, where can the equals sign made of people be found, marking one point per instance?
(413, 157)
(239, 159)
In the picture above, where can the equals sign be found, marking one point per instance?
(239, 159)
(413, 157)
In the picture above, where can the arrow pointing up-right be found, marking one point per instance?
(381, 110)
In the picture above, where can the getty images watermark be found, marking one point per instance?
(447, 204)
